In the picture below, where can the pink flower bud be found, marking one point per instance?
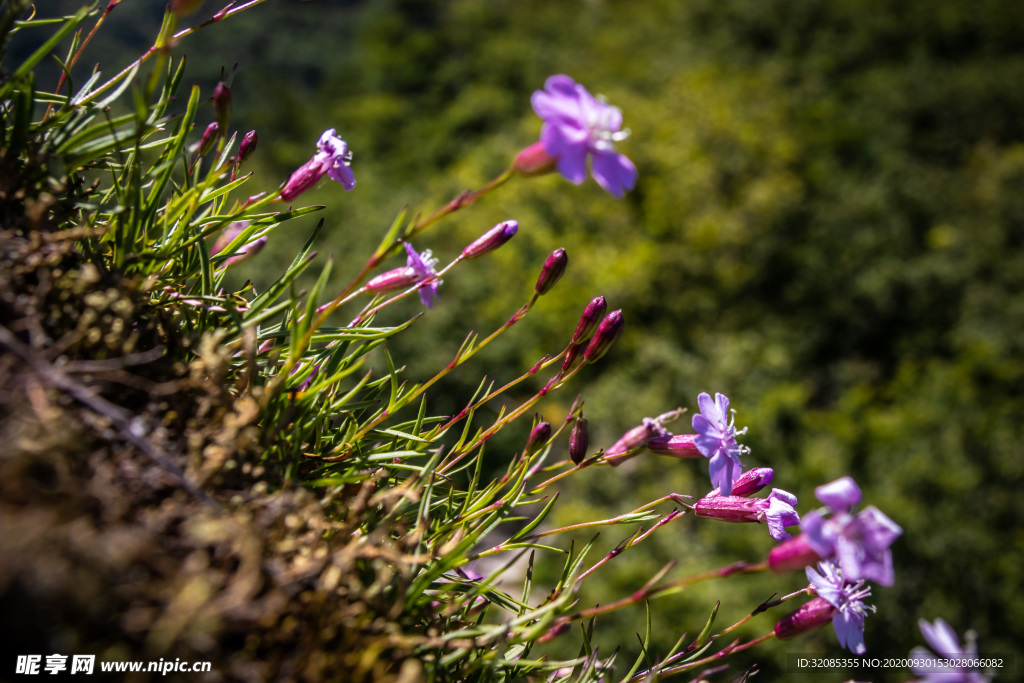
(222, 104)
(796, 553)
(812, 615)
(678, 446)
(248, 146)
(552, 271)
(210, 136)
(491, 240)
(534, 160)
(538, 435)
(588, 321)
(572, 357)
(579, 440)
(749, 483)
(607, 332)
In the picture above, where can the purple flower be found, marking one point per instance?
(419, 269)
(578, 125)
(423, 266)
(332, 158)
(846, 597)
(943, 640)
(859, 542)
(780, 513)
(716, 440)
(839, 495)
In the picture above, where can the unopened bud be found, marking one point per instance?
(572, 357)
(607, 332)
(677, 446)
(534, 160)
(183, 8)
(796, 553)
(538, 435)
(222, 104)
(248, 146)
(749, 483)
(812, 615)
(588, 321)
(552, 271)
(579, 440)
(491, 240)
(210, 136)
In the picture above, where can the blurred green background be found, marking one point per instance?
(828, 227)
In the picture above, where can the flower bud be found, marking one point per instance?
(534, 160)
(248, 146)
(552, 271)
(572, 357)
(749, 483)
(222, 104)
(811, 615)
(796, 553)
(491, 240)
(538, 435)
(210, 136)
(677, 446)
(579, 440)
(588, 321)
(730, 508)
(607, 332)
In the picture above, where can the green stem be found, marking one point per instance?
(460, 202)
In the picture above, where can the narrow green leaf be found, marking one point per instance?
(526, 530)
